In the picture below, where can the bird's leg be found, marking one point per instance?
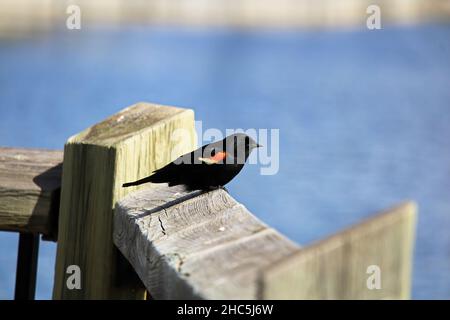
(219, 187)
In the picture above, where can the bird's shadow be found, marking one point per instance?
(171, 203)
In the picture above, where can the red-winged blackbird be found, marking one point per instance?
(208, 167)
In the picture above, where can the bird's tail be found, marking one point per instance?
(158, 176)
(138, 182)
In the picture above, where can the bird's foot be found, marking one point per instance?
(223, 188)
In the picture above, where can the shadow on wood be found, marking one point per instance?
(50, 199)
(30, 181)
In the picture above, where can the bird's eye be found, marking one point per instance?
(213, 152)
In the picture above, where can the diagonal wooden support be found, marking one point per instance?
(125, 147)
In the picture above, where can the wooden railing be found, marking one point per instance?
(171, 243)
(30, 181)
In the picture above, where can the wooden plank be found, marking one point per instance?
(336, 268)
(30, 180)
(125, 147)
(194, 245)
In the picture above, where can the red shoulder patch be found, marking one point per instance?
(219, 156)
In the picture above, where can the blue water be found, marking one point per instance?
(364, 118)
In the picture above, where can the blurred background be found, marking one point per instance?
(364, 114)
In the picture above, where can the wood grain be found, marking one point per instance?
(336, 268)
(205, 245)
(127, 146)
(30, 180)
(194, 245)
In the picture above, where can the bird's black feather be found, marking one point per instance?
(199, 170)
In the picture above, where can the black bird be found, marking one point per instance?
(208, 167)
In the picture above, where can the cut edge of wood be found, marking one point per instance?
(82, 137)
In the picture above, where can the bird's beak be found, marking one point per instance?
(259, 145)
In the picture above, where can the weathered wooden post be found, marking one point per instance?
(129, 145)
